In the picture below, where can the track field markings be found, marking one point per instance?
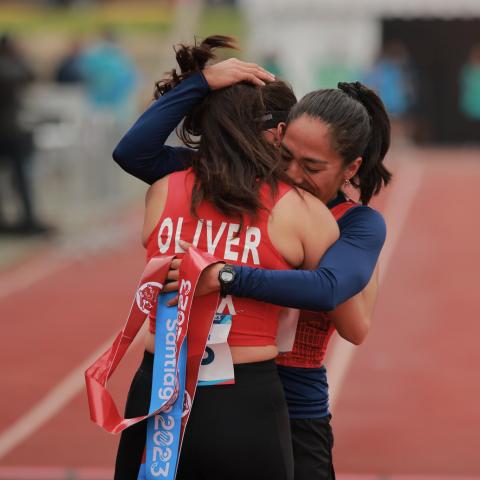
(407, 183)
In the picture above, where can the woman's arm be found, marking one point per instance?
(352, 319)
(344, 270)
(142, 151)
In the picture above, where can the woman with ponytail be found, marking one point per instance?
(333, 138)
(237, 201)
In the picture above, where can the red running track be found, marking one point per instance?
(408, 402)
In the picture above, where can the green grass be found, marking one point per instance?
(223, 21)
(85, 20)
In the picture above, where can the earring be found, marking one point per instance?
(346, 183)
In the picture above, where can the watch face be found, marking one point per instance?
(227, 277)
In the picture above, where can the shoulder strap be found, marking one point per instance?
(268, 200)
(180, 186)
(338, 211)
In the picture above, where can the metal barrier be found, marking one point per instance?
(75, 179)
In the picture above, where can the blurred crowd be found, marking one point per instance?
(470, 85)
(103, 80)
(413, 103)
(106, 78)
(395, 77)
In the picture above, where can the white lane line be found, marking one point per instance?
(64, 254)
(408, 180)
(55, 473)
(53, 402)
(26, 276)
(67, 253)
(56, 399)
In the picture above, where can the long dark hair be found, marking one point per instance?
(233, 158)
(279, 99)
(359, 126)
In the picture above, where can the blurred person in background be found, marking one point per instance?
(67, 3)
(392, 77)
(222, 3)
(16, 143)
(470, 85)
(272, 64)
(68, 69)
(109, 76)
(335, 138)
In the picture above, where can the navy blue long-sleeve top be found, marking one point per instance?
(344, 270)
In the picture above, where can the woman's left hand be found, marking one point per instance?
(232, 71)
(208, 282)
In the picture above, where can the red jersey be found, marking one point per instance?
(314, 329)
(253, 323)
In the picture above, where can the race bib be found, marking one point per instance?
(217, 364)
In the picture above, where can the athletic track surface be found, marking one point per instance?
(405, 403)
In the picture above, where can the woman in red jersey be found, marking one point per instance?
(237, 203)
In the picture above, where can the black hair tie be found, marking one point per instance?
(358, 92)
(353, 90)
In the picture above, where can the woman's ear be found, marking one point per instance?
(352, 169)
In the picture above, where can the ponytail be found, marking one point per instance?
(191, 59)
(372, 174)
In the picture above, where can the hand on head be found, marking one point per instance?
(232, 71)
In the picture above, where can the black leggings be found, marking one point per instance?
(312, 448)
(235, 431)
(132, 440)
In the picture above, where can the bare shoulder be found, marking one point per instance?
(302, 228)
(319, 230)
(306, 207)
(157, 190)
(318, 215)
(313, 204)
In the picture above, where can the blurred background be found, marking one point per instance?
(75, 74)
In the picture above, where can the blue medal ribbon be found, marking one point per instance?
(163, 429)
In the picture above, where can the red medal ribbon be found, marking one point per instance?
(103, 410)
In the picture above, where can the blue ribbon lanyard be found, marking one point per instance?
(163, 429)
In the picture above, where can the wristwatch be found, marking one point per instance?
(226, 276)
